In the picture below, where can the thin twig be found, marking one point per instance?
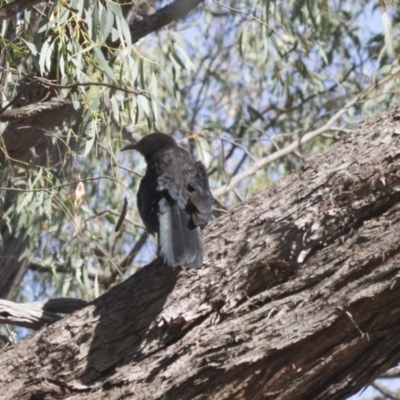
(388, 394)
(13, 189)
(46, 82)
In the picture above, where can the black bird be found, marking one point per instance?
(174, 199)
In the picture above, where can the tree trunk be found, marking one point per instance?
(28, 140)
(297, 298)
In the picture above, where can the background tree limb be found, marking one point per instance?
(36, 315)
(13, 8)
(164, 16)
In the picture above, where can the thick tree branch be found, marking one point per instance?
(150, 23)
(36, 315)
(33, 110)
(297, 298)
(171, 12)
(13, 8)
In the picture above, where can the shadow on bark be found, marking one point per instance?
(150, 289)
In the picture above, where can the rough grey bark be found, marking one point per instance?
(297, 298)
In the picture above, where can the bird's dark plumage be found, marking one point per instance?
(174, 199)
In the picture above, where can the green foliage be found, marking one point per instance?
(236, 82)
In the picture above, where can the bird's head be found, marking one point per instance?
(150, 144)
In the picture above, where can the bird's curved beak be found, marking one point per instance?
(130, 146)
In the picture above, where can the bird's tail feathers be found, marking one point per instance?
(179, 239)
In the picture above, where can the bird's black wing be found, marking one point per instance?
(179, 238)
(175, 166)
(147, 200)
(200, 201)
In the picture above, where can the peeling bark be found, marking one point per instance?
(297, 298)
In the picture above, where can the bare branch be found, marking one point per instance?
(33, 110)
(171, 12)
(386, 392)
(392, 373)
(14, 189)
(35, 315)
(48, 83)
(9, 10)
